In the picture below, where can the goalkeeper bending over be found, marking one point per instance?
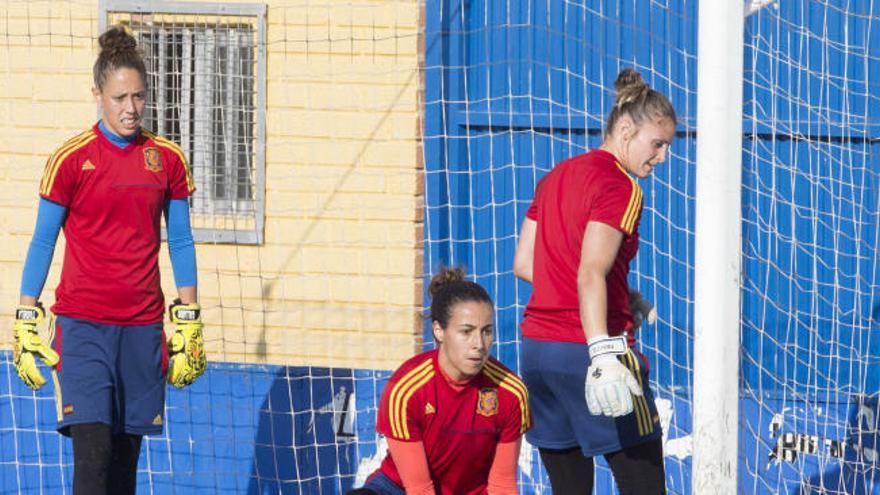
(588, 385)
(454, 417)
(109, 187)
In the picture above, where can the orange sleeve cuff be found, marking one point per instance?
(412, 466)
(502, 474)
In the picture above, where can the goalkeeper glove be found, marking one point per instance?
(641, 309)
(609, 385)
(28, 343)
(186, 348)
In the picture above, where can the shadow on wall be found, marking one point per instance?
(309, 424)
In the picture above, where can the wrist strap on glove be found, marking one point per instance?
(603, 345)
(185, 313)
(31, 315)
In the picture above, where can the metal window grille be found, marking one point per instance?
(206, 79)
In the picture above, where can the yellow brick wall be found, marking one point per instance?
(337, 280)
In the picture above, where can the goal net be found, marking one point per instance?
(300, 121)
(513, 88)
(810, 336)
(344, 151)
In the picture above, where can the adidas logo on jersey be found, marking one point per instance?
(87, 165)
(157, 420)
(429, 409)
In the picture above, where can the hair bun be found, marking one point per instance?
(119, 49)
(443, 278)
(636, 100)
(115, 41)
(630, 87)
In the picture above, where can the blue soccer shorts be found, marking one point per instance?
(110, 374)
(379, 484)
(554, 373)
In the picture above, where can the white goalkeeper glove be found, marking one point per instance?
(641, 309)
(609, 386)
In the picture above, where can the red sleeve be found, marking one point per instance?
(61, 176)
(517, 418)
(180, 181)
(400, 417)
(532, 212)
(502, 474)
(618, 204)
(412, 466)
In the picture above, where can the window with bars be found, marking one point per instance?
(205, 78)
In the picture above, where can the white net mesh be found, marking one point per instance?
(307, 234)
(810, 328)
(401, 135)
(511, 90)
(294, 323)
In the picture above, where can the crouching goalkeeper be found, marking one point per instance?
(108, 188)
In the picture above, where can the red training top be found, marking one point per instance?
(588, 187)
(114, 199)
(459, 428)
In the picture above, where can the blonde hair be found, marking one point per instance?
(638, 100)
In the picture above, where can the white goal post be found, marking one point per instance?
(717, 247)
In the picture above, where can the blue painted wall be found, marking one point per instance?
(238, 429)
(511, 89)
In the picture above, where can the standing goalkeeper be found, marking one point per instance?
(588, 386)
(108, 188)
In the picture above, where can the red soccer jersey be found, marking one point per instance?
(589, 187)
(114, 198)
(459, 428)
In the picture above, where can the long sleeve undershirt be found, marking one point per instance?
(50, 219)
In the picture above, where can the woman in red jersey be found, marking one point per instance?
(588, 385)
(109, 188)
(453, 417)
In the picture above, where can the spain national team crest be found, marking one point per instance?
(152, 159)
(488, 403)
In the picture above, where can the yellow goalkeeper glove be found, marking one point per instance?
(186, 348)
(27, 343)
